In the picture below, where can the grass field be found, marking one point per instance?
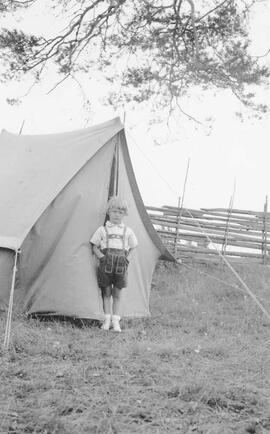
(199, 364)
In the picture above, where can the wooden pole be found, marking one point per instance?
(23, 122)
(228, 221)
(180, 207)
(177, 227)
(264, 233)
(225, 242)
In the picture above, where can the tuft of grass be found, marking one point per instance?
(199, 364)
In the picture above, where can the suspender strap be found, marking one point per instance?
(107, 237)
(124, 237)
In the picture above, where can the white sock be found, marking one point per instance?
(107, 322)
(115, 323)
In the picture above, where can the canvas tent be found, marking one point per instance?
(53, 194)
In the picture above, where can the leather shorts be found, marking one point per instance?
(113, 269)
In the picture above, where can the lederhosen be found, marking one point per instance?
(112, 269)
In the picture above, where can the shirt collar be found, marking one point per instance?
(111, 225)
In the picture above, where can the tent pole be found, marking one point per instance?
(10, 304)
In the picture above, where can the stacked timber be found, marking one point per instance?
(208, 233)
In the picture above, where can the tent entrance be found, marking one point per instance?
(114, 178)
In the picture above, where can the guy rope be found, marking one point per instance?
(251, 294)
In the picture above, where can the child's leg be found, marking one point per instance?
(106, 295)
(116, 294)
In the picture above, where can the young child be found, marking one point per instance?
(113, 244)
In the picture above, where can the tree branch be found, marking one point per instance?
(196, 55)
(213, 10)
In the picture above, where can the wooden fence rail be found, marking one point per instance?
(198, 235)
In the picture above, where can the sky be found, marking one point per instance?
(226, 156)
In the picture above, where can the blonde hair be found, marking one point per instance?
(118, 203)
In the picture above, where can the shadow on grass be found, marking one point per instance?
(65, 319)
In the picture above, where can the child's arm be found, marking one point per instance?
(95, 242)
(132, 242)
(130, 253)
(97, 252)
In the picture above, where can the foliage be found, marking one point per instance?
(152, 47)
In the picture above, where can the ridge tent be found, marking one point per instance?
(53, 194)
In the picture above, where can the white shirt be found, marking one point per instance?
(100, 239)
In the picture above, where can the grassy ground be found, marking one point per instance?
(200, 364)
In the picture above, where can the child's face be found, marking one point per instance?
(116, 215)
